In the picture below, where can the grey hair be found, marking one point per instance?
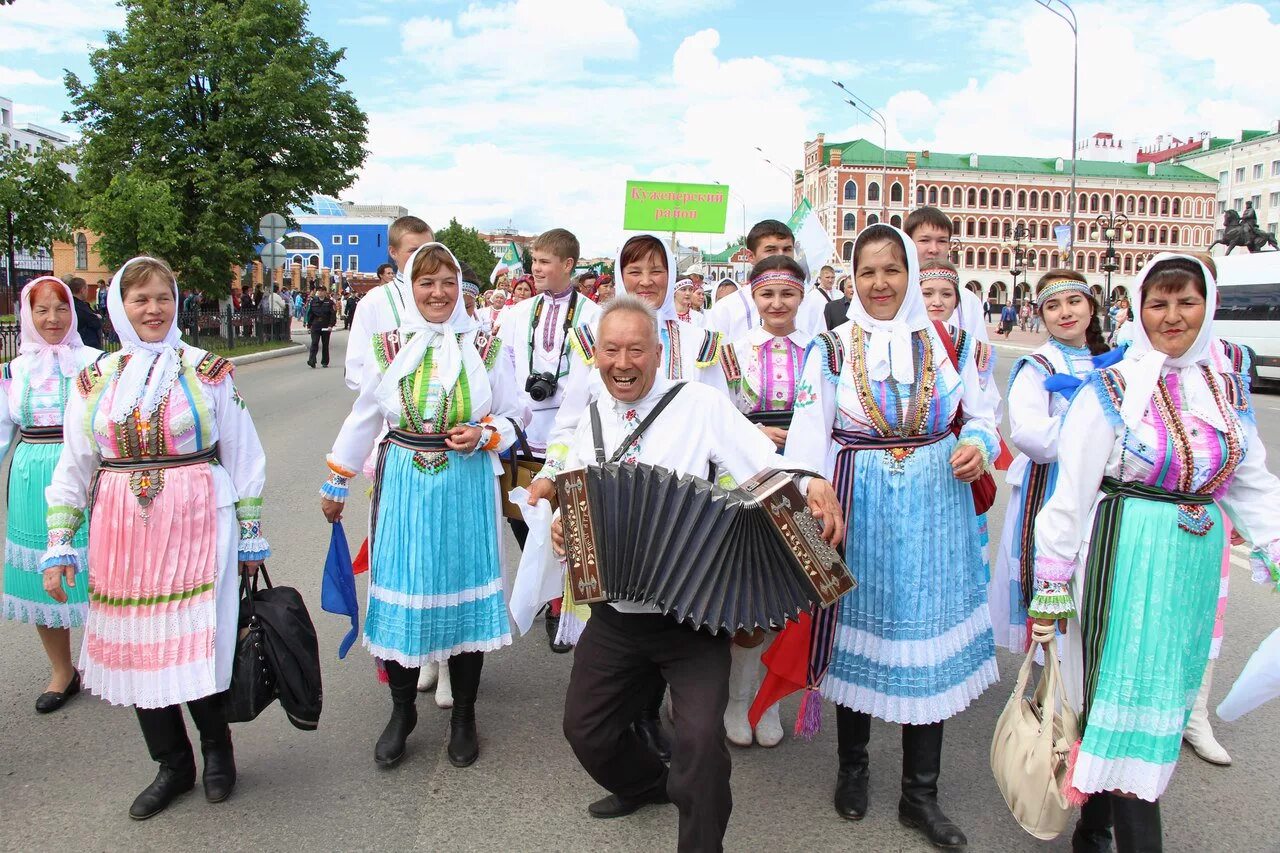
(625, 303)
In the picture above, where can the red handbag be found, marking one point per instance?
(984, 488)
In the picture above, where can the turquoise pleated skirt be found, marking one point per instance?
(26, 539)
(914, 642)
(435, 586)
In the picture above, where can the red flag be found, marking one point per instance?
(1004, 458)
(786, 667)
(360, 564)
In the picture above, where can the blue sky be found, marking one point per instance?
(537, 111)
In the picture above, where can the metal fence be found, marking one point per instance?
(212, 330)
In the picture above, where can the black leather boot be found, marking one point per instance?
(648, 726)
(553, 628)
(1093, 829)
(404, 714)
(210, 714)
(166, 737)
(918, 807)
(1137, 825)
(853, 732)
(464, 741)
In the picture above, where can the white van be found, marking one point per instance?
(1249, 310)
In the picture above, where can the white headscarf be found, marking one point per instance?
(667, 311)
(153, 367)
(451, 358)
(889, 349)
(46, 358)
(1143, 364)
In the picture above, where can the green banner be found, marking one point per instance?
(666, 207)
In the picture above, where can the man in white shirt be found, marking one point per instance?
(624, 644)
(736, 314)
(382, 307)
(931, 231)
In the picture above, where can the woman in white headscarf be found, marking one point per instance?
(1128, 549)
(444, 394)
(175, 511)
(35, 387)
(912, 644)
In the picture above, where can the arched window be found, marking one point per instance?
(919, 195)
(82, 252)
(1008, 198)
(1035, 201)
(1079, 260)
(1142, 205)
(933, 195)
(1199, 207)
(973, 198)
(1044, 230)
(1128, 264)
(1022, 199)
(968, 257)
(850, 191)
(846, 251)
(850, 222)
(983, 198)
(1080, 233)
(1004, 259)
(946, 196)
(969, 228)
(1128, 204)
(982, 227)
(1164, 236)
(1106, 204)
(1164, 206)
(1044, 260)
(1093, 203)
(1153, 205)
(1057, 201)
(895, 220)
(1093, 262)
(895, 193)
(1177, 207)
(1142, 233)
(982, 257)
(1082, 203)
(872, 219)
(1053, 259)
(1044, 200)
(873, 191)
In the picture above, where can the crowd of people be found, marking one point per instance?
(1132, 470)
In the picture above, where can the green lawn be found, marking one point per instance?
(242, 348)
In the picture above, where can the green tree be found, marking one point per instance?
(135, 215)
(37, 200)
(527, 257)
(467, 245)
(220, 111)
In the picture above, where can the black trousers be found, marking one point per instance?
(614, 667)
(319, 340)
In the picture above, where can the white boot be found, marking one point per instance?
(742, 666)
(1199, 734)
(769, 729)
(427, 676)
(444, 690)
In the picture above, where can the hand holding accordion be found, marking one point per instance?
(734, 560)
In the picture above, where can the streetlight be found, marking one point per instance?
(956, 245)
(733, 194)
(1111, 227)
(1018, 244)
(791, 176)
(1075, 92)
(876, 116)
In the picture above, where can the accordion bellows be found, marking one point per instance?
(720, 559)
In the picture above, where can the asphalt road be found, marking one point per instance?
(67, 779)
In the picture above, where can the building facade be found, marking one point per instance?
(27, 138)
(338, 237)
(988, 198)
(1247, 169)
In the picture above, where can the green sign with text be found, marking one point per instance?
(665, 207)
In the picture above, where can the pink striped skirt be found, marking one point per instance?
(150, 632)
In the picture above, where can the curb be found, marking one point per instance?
(1014, 347)
(268, 355)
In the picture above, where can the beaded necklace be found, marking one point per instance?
(27, 413)
(912, 421)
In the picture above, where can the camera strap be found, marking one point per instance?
(564, 340)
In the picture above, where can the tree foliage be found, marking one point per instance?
(467, 245)
(37, 194)
(216, 112)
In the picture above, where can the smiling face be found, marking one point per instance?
(1172, 318)
(777, 304)
(881, 278)
(50, 313)
(645, 277)
(150, 306)
(1066, 317)
(940, 299)
(628, 355)
(435, 294)
(550, 271)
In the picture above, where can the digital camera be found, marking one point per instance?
(541, 386)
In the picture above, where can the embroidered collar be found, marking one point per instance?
(758, 336)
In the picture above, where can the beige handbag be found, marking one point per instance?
(1032, 740)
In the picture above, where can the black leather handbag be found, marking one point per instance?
(253, 680)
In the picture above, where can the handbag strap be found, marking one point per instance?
(640, 429)
(597, 435)
(950, 346)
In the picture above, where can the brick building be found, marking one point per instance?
(1169, 207)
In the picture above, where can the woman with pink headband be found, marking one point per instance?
(36, 386)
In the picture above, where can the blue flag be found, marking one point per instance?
(338, 589)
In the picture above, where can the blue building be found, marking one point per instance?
(339, 237)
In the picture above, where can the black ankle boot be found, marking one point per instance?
(404, 714)
(1093, 830)
(1137, 825)
(166, 737)
(210, 714)
(853, 732)
(464, 676)
(918, 807)
(648, 727)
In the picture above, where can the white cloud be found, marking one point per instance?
(25, 77)
(366, 21)
(56, 26)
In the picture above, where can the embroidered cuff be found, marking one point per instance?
(60, 551)
(979, 439)
(254, 549)
(63, 518)
(556, 455)
(1052, 601)
(1053, 570)
(336, 488)
(249, 515)
(1265, 563)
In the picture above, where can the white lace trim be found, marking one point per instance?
(571, 628)
(29, 559)
(157, 689)
(51, 615)
(113, 627)
(1148, 721)
(438, 655)
(428, 602)
(914, 711)
(901, 653)
(1144, 779)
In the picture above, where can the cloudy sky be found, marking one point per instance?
(536, 112)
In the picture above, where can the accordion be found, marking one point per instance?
(721, 559)
(775, 418)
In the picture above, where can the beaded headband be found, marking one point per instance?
(686, 283)
(1059, 287)
(776, 277)
(470, 287)
(939, 273)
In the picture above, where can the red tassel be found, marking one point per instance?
(1070, 792)
(809, 717)
(381, 670)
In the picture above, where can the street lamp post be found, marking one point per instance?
(956, 245)
(1070, 17)
(1111, 227)
(1017, 243)
(876, 116)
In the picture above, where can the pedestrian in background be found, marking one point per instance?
(177, 473)
(1008, 316)
(88, 321)
(33, 396)
(321, 317)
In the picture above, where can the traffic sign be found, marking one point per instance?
(272, 255)
(272, 227)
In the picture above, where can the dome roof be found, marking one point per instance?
(322, 205)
